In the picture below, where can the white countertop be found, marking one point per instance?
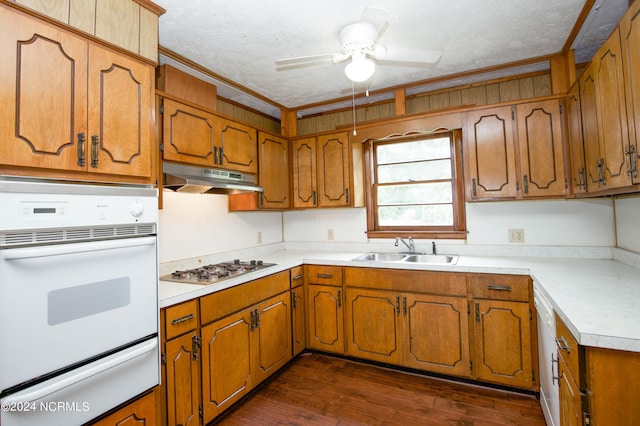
(599, 300)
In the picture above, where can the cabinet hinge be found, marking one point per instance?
(513, 115)
(200, 411)
(533, 376)
(161, 108)
(471, 366)
(530, 315)
(163, 358)
(162, 146)
(586, 418)
(560, 109)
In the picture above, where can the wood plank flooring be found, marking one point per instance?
(323, 390)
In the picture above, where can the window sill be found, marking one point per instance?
(445, 235)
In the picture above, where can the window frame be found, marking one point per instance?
(457, 231)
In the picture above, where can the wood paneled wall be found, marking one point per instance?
(248, 117)
(495, 91)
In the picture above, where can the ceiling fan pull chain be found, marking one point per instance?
(353, 103)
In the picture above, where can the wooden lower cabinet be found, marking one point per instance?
(325, 318)
(427, 332)
(141, 412)
(570, 400)
(182, 380)
(297, 320)
(502, 333)
(240, 351)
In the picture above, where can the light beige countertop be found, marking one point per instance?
(599, 300)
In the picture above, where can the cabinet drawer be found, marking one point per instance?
(297, 276)
(499, 287)
(180, 319)
(568, 349)
(322, 274)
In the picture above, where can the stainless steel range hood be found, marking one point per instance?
(200, 180)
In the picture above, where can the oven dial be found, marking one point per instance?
(136, 208)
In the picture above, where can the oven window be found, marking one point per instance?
(81, 301)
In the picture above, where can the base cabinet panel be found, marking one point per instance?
(503, 343)
(183, 381)
(325, 318)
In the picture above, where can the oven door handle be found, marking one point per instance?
(46, 251)
(71, 380)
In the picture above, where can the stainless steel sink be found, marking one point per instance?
(382, 257)
(431, 258)
(406, 257)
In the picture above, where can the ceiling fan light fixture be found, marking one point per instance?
(360, 68)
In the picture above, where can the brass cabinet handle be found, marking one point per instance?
(215, 155)
(477, 312)
(294, 302)
(324, 275)
(177, 321)
(220, 155)
(297, 277)
(346, 190)
(257, 318)
(339, 298)
(631, 167)
(397, 304)
(195, 344)
(499, 287)
(81, 141)
(526, 183)
(315, 199)
(474, 190)
(94, 151)
(404, 306)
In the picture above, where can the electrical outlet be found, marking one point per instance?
(330, 234)
(259, 237)
(516, 235)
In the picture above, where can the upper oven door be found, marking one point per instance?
(66, 303)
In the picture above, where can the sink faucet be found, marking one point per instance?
(410, 245)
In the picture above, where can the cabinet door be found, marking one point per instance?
(188, 134)
(238, 147)
(272, 336)
(630, 40)
(43, 81)
(325, 318)
(612, 111)
(183, 381)
(297, 323)
(491, 155)
(503, 343)
(334, 187)
(274, 171)
(226, 362)
(120, 117)
(593, 156)
(140, 412)
(303, 152)
(570, 399)
(577, 176)
(540, 148)
(373, 325)
(436, 333)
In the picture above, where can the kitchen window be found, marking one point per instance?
(415, 187)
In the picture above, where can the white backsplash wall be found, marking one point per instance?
(192, 225)
(545, 223)
(628, 223)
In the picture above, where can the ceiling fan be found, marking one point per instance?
(360, 42)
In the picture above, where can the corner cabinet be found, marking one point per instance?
(327, 172)
(515, 151)
(630, 40)
(72, 106)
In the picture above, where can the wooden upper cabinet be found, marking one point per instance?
(612, 111)
(541, 149)
(238, 148)
(334, 172)
(188, 134)
(490, 153)
(120, 96)
(630, 40)
(304, 176)
(591, 138)
(273, 173)
(577, 172)
(70, 105)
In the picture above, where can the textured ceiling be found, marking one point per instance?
(240, 40)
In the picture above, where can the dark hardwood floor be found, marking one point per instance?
(323, 390)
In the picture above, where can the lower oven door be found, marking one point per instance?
(66, 305)
(78, 396)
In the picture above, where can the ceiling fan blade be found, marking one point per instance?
(315, 59)
(379, 17)
(408, 56)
